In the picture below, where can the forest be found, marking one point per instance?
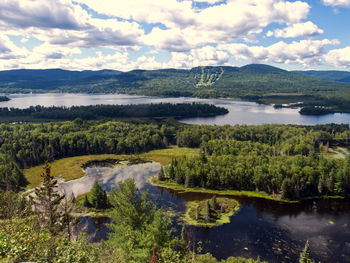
(283, 160)
(179, 110)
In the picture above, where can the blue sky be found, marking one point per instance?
(152, 34)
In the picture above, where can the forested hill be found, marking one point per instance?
(333, 75)
(256, 82)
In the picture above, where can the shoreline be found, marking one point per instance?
(234, 193)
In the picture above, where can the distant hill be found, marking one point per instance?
(257, 82)
(333, 75)
(51, 74)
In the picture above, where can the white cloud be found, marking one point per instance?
(8, 50)
(307, 29)
(304, 52)
(339, 57)
(337, 3)
(187, 28)
(61, 22)
(43, 14)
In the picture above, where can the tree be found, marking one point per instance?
(11, 176)
(137, 225)
(161, 176)
(47, 203)
(305, 256)
(86, 201)
(98, 197)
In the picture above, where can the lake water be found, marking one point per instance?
(274, 231)
(240, 112)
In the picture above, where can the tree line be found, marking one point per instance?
(93, 112)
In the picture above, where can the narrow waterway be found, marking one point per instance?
(274, 231)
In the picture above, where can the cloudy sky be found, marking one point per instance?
(151, 34)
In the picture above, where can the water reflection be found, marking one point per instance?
(240, 112)
(274, 231)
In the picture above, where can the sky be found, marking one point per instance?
(153, 34)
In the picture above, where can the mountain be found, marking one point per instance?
(51, 74)
(333, 75)
(257, 82)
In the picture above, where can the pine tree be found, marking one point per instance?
(98, 197)
(161, 176)
(47, 203)
(86, 201)
(305, 256)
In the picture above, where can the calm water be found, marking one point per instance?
(274, 231)
(240, 112)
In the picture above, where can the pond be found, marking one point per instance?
(272, 230)
(240, 112)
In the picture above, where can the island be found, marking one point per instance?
(210, 212)
(4, 98)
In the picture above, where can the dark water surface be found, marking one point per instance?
(272, 230)
(240, 112)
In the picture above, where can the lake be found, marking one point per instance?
(240, 112)
(272, 230)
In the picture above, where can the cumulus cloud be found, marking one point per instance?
(8, 50)
(337, 3)
(61, 22)
(304, 52)
(307, 29)
(43, 14)
(186, 28)
(339, 57)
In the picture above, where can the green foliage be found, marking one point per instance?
(207, 258)
(94, 112)
(305, 256)
(11, 176)
(137, 225)
(98, 197)
(283, 161)
(47, 203)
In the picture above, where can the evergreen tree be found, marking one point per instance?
(47, 203)
(11, 176)
(86, 201)
(98, 197)
(161, 176)
(305, 256)
(137, 224)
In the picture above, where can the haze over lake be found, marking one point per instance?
(240, 112)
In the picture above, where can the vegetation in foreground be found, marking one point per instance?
(39, 228)
(211, 212)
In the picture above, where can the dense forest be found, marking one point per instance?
(282, 161)
(179, 110)
(255, 82)
(258, 148)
